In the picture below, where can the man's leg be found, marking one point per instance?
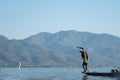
(83, 65)
(86, 67)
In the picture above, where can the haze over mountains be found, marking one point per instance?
(59, 50)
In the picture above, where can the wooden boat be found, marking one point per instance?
(109, 74)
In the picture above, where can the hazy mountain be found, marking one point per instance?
(59, 49)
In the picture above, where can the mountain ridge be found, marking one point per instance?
(59, 49)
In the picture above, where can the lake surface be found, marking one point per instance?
(49, 74)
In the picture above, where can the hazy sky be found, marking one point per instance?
(22, 18)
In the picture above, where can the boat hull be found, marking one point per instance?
(109, 74)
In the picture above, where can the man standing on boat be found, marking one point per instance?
(84, 56)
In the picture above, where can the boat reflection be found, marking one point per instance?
(85, 77)
(118, 78)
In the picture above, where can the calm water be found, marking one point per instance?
(48, 74)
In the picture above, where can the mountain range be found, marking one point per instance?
(59, 50)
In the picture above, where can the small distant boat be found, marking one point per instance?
(19, 65)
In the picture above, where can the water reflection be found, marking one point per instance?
(85, 77)
(118, 78)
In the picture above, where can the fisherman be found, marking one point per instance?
(84, 56)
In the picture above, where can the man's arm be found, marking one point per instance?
(79, 47)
